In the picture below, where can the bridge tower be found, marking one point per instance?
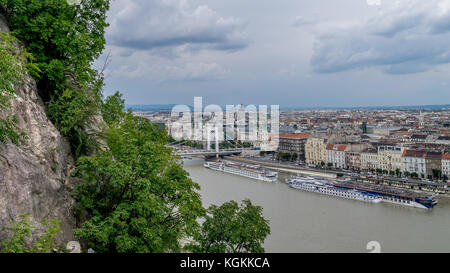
(208, 139)
(217, 141)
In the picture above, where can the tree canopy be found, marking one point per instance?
(232, 228)
(138, 197)
(64, 40)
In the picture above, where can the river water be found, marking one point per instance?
(309, 222)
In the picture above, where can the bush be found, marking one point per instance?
(21, 233)
(72, 113)
(13, 66)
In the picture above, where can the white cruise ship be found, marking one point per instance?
(312, 185)
(249, 171)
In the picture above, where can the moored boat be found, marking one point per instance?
(249, 171)
(327, 189)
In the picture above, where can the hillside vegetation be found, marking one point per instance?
(133, 195)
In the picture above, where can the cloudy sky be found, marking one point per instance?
(286, 52)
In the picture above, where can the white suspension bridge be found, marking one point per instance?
(186, 151)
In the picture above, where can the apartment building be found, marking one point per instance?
(433, 163)
(353, 155)
(369, 159)
(315, 150)
(446, 165)
(335, 155)
(293, 144)
(413, 161)
(390, 157)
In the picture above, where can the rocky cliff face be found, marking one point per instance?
(34, 176)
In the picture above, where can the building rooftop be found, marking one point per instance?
(295, 135)
(414, 153)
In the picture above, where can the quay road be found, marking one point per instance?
(441, 189)
(286, 167)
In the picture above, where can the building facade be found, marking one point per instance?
(369, 160)
(414, 162)
(434, 164)
(390, 157)
(315, 151)
(446, 165)
(293, 144)
(335, 155)
(353, 155)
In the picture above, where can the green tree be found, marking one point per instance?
(136, 196)
(21, 234)
(112, 109)
(232, 228)
(64, 40)
(436, 174)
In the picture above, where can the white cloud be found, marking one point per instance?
(155, 68)
(406, 36)
(150, 24)
(167, 40)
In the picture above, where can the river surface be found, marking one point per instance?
(309, 222)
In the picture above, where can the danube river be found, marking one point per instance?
(309, 222)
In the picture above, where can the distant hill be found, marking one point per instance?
(150, 108)
(410, 107)
(169, 107)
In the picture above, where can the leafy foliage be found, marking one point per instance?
(72, 112)
(112, 109)
(64, 40)
(137, 197)
(22, 230)
(232, 228)
(12, 69)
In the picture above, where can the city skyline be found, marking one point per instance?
(320, 54)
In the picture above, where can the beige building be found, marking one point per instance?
(315, 150)
(369, 159)
(353, 155)
(390, 157)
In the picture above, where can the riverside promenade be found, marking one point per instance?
(285, 168)
(440, 189)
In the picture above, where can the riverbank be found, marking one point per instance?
(306, 171)
(284, 168)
